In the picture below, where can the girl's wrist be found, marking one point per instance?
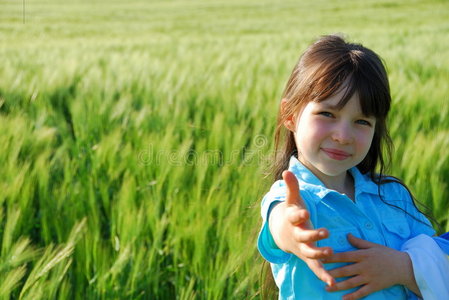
(406, 269)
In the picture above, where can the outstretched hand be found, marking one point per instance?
(375, 267)
(291, 229)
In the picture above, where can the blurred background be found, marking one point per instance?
(135, 136)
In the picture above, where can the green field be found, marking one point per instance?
(135, 135)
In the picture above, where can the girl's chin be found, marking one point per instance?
(332, 172)
(322, 172)
(328, 169)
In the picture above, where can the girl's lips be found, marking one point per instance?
(336, 154)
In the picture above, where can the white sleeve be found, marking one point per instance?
(430, 267)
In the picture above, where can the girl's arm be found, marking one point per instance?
(375, 267)
(291, 230)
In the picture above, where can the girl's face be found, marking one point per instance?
(331, 141)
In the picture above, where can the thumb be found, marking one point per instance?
(293, 196)
(359, 243)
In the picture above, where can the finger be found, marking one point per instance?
(309, 236)
(359, 243)
(293, 196)
(349, 270)
(361, 292)
(346, 284)
(306, 251)
(297, 215)
(318, 269)
(349, 256)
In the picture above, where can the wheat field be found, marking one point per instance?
(135, 135)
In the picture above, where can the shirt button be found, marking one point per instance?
(369, 225)
(341, 240)
(401, 230)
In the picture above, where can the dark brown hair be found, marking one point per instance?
(326, 67)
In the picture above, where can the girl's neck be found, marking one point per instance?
(342, 183)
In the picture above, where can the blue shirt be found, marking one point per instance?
(368, 217)
(443, 242)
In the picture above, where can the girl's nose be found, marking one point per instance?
(343, 134)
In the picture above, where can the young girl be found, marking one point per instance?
(331, 135)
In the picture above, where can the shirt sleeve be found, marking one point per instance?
(430, 267)
(265, 242)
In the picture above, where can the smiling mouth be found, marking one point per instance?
(336, 154)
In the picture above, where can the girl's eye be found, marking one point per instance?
(363, 122)
(326, 114)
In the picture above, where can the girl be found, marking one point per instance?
(330, 135)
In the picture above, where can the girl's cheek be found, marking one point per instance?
(365, 138)
(321, 126)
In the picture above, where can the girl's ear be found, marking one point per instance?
(289, 123)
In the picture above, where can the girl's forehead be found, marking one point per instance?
(353, 105)
(335, 101)
(343, 92)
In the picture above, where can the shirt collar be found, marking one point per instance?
(308, 181)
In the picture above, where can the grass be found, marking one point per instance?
(135, 135)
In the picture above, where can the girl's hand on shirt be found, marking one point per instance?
(292, 232)
(375, 267)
